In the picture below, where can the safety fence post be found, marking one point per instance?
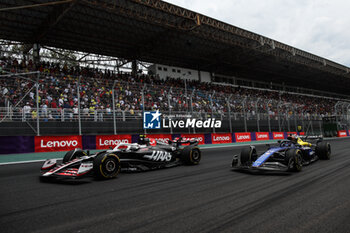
(212, 107)
(257, 114)
(244, 114)
(268, 114)
(229, 112)
(79, 111)
(113, 102)
(279, 116)
(143, 106)
(37, 105)
(169, 106)
(194, 128)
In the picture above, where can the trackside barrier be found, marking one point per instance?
(57, 143)
(31, 144)
(342, 133)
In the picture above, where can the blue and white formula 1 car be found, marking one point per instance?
(288, 155)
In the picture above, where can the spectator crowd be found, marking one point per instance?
(58, 88)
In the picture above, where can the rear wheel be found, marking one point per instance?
(73, 154)
(248, 155)
(294, 160)
(191, 155)
(106, 166)
(323, 150)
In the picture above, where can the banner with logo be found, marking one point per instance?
(218, 138)
(289, 133)
(108, 141)
(243, 137)
(278, 135)
(342, 133)
(262, 136)
(160, 137)
(57, 143)
(199, 137)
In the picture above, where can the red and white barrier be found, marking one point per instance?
(108, 141)
(57, 143)
(199, 137)
(277, 135)
(243, 137)
(262, 136)
(219, 138)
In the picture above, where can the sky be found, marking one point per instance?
(321, 27)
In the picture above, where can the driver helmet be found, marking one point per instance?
(293, 138)
(143, 140)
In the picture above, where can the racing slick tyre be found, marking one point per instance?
(323, 150)
(293, 160)
(248, 155)
(73, 154)
(106, 166)
(191, 155)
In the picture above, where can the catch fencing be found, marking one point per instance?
(117, 107)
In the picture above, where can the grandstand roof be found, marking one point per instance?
(159, 32)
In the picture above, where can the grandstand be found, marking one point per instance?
(265, 79)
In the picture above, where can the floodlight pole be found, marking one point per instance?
(37, 105)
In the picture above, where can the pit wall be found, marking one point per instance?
(31, 144)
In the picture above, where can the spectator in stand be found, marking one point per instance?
(58, 91)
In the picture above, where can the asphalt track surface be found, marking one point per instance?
(209, 197)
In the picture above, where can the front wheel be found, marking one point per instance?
(73, 154)
(248, 155)
(106, 166)
(294, 160)
(191, 155)
(323, 150)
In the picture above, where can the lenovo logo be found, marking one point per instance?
(221, 138)
(112, 142)
(243, 137)
(199, 139)
(164, 140)
(72, 143)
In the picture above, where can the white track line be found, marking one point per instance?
(29, 161)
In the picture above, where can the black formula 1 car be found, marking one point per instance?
(145, 155)
(288, 155)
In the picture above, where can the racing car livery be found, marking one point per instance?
(145, 155)
(288, 155)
